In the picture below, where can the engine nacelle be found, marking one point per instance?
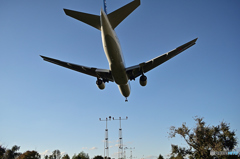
(100, 84)
(143, 80)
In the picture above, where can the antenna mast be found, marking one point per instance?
(120, 148)
(106, 148)
(125, 152)
(131, 152)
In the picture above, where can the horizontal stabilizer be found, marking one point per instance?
(119, 15)
(90, 19)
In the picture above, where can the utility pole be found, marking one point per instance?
(106, 148)
(120, 148)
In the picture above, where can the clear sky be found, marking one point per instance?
(46, 107)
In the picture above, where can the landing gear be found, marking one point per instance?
(126, 100)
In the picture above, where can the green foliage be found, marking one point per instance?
(46, 157)
(179, 156)
(2, 151)
(56, 154)
(81, 155)
(66, 157)
(160, 157)
(203, 138)
(12, 153)
(98, 157)
(30, 155)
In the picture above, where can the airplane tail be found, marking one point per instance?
(105, 6)
(115, 18)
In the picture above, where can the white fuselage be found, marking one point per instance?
(114, 55)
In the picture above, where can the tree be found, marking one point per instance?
(202, 139)
(66, 156)
(45, 157)
(2, 151)
(172, 157)
(12, 153)
(160, 157)
(177, 157)
(81, 155)
(56, 154)
(98, 157)
(30, 155)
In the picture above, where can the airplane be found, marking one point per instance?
(117, 72)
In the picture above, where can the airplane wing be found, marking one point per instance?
(144, 67)
(105, 74)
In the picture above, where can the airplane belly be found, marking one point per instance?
(124, 89)
(119, 74)
(113, 53)
(113, 49)
(115, 60)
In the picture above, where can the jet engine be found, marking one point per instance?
(100, 84)
(143, 80)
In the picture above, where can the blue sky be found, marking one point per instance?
(46, 107)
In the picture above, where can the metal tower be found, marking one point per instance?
(125, 152)
(131, 152)
(106, 148)
(120, 148)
